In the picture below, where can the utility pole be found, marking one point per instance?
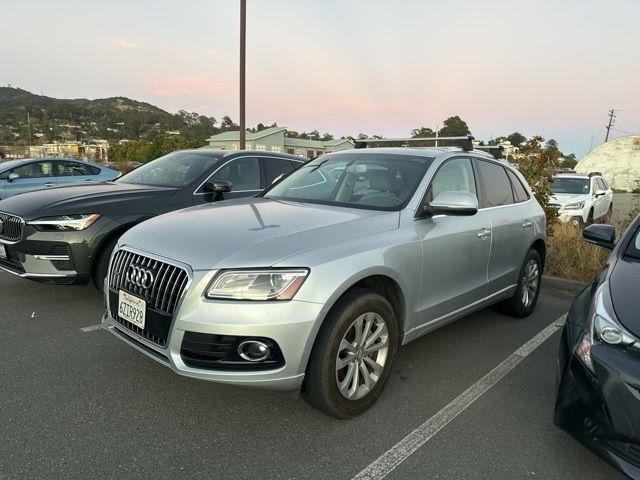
(29, 127)
(612, 115)
(243, 45)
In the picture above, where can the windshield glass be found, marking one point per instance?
(570, 185)
(174, 170)
(376, 181)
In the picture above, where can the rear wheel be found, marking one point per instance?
(351, 360)
(101, 265)
(528, 288)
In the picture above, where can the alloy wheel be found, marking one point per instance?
(530, 281)
(362, 356)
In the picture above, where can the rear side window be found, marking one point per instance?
(496, 187)
(519, 192)
(74, 169)
(277, 166)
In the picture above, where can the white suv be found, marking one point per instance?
(581, 198)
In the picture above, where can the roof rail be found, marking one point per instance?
(466, 142)
(593, 174)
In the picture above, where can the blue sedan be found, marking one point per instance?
(19, 176)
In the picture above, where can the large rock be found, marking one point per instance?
(618, 160)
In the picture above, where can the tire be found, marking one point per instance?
(101, 265)
(521, 304)
(590, 218)
(320, 388)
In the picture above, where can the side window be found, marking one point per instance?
(75, 169)
(35, 170)
(601, 184)
(243, 173)
(275, 167)
(496, 187)
(519, 192)
(454, 175)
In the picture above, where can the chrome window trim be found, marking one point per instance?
(195, 192)
(170, 261)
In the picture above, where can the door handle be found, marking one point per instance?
(527, 224)
(484, 233)
(48, 184)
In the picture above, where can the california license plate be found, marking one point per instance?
(3, 252)
(132, 309)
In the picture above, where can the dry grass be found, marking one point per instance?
(569, 256)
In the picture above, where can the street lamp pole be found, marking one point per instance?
(243, 42)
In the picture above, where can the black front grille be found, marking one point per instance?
(161, 295)
(627, 451)
(220, 352)
(11, 230)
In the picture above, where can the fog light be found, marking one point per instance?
(254, 350)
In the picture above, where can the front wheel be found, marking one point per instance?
(352, 357)
(101, 265)
(528, 288)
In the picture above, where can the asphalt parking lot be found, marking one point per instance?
(80, 404)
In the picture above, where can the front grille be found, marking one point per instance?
(627, 451)
(11, 230)
(161, 295)
(168, 284)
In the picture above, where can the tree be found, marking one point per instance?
(516, 139)
(569, 161)
(228, 125)
(454, 127)
(537, 165)
(422, 132)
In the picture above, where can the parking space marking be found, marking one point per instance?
(388, 461)
(92, 328)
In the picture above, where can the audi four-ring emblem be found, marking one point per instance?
(140, 276)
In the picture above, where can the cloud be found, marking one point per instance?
(126, 43)
(188, 85)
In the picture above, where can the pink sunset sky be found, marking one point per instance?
(380, 67)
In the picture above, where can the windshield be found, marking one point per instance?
(570, 185)
(174, 170)
(362, 180)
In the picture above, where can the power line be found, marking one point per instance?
(612, 115)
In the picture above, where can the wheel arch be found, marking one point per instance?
(540, 246)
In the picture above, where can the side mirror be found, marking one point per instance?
(218, 186)
(12, 177)
(453, 203)
(600, 193)
(601, 235)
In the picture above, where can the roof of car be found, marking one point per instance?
(419, 151)
(226, 153)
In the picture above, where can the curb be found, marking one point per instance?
(564, 284)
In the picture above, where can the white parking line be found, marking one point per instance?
(91, 328)
(397, 454)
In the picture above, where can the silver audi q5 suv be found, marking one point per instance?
(315, 283)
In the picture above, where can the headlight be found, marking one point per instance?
(574, 206)
(602, 327)
(272, 284)
(65, 223)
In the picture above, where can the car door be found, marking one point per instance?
(31, 176)
(244, 174)
(69, 172)
(602, 200)
(455, 249)
(511, 227)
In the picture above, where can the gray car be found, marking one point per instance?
(20, 176)
(316, 282)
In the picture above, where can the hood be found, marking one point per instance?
(252, 232)
(79, 199)
(567, 198)
(623, 286)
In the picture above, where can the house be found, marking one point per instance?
(273, 139)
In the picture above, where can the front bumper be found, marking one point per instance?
(291, 325)
(601, 408)
(54, 257)
(573, 216)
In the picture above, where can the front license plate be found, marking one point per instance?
(131, 308)
(3, 252)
